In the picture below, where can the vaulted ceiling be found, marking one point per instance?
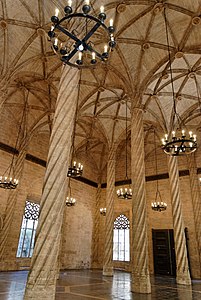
(138, 71)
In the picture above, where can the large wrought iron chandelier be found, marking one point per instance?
(8, 180)
(158, 204)
(125, 192)
(71, 36)
(179, 142)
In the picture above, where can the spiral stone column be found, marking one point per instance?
(183, 276)
(10, 209)
(42, 277)
(109, 221)
(140, 268)
(196, 201)
(96, 231)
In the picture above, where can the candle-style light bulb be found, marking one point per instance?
(56, 42)
(105, 48)
(111, 22)
(87, 2)
(194, 137)
(163, 141)
(191, 134)
(80, 55)
(173, 133)
(52, 28)
(56, 12)
(93, 54)
(183, 132)
(102, 9)
(166, 136)
(70, 3)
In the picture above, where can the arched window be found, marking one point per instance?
(28, 230)
(121, 244)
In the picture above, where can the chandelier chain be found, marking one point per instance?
(170, 65)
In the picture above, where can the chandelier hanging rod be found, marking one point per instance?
(176, 145)
(158, 205)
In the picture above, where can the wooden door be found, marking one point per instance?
(164, 252)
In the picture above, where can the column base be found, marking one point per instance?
(107, 271)
(40, 292)
(141, 284)
(183, 278)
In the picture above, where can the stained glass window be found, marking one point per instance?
(28, 230)
(121, 243)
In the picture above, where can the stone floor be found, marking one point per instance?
(91, 285)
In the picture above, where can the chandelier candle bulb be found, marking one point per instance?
(190, 134)
(183, 133)
(52, 28)
(102, 9)
(56, 12)
(70, 3)
(173, 134)
(56, 42)
(105, 48)
(111, 22)
(86, 2)
(93, 54)
(163, 141)
(166, 136)
(80, 55)
(194, 137)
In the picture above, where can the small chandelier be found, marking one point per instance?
(8, 180)
(70, 201)
(179, 143)
(125, 193)
(158, 204)
(73, 44)
(75, 170)
(103, 211)
(8, 183)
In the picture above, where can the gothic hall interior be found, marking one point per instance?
(100, 149)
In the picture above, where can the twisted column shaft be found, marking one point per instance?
(109, 221)
(183, 276)
(42, 277)
(11, 201)
(96, 231)
(140, 268)
(195, 193)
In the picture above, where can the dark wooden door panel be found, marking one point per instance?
(163, 251)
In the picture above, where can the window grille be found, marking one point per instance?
(121, 242)
(28, 230)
